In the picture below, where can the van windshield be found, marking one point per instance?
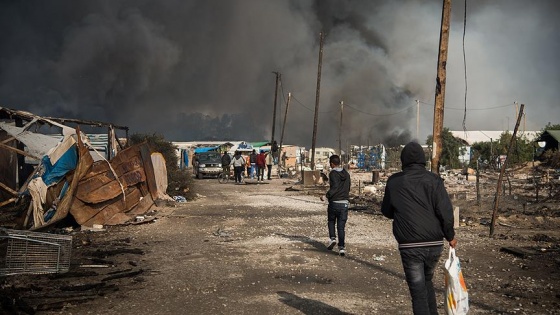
(210, 157)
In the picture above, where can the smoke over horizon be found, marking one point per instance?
(199, 70)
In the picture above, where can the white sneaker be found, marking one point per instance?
(331, 244)
(341, 251)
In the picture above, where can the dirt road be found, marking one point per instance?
(259, 249)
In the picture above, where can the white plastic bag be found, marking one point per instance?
(456, 295)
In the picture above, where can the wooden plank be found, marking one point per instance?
(143, 206)
(8, 189)
(91, 193)
(149, 170)
(19, 151)
(5, 202)
(104, 215)
(118, 218)
(83, 212)
(95, 180)
(123, 156)
(135, 162)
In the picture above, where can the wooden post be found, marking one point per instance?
(340, 130)
(418, 120)
(477, 184)
(282, 134)
(274, 112)
(440, 86)
(502, 171)
(314, 139)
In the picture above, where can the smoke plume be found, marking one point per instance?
(203, 70)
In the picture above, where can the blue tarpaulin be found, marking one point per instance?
(67, 162)
(206, 149)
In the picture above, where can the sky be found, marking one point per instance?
(193, 70)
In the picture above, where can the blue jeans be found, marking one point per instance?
(337, 213)
(253, 169)
(419, 264)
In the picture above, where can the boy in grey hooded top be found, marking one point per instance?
(337, 211)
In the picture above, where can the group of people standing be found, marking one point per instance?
(417, 202)
(251, 166)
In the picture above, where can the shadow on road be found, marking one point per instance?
(308, 306)
(322, 247)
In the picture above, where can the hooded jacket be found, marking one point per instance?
(339, 181)
(418, 203)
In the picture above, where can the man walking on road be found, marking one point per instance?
(253, 163)
(261, 164)
(422, 215)
(226, 161)
(238, 165)
(269, 161)
(337, 211)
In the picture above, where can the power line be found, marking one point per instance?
(488, 108)
(380, 115)
(309, 109)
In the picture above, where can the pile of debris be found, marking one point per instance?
(71, 176)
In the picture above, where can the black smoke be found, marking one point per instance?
(203, 70)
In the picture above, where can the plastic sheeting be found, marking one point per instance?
(205, 149)
(67, 161)
(37, 144)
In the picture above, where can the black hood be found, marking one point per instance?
(412, 154)
(341, 173)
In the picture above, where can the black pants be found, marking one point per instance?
(337, 214)
(237, 170)
(419, 264)
(269, 167)
(260, 172)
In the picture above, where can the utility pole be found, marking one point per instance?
(274, 113)
(418, 120)
(317, 101)
(440, 85)
(340, 130)
(283, 128)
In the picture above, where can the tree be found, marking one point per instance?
(550, 126)
(484, 153)
(451, 148)
(488, 152)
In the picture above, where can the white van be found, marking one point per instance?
(322, 156)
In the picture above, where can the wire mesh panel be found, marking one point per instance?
(26, 252)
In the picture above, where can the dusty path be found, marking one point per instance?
(258, 249)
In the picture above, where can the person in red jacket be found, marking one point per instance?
(261, 164)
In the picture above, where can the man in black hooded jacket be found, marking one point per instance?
(422, 215)
(337, 211)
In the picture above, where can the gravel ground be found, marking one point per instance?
(260, 249)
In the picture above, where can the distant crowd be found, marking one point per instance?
(252, 166)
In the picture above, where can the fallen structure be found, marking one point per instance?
(72, 177)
